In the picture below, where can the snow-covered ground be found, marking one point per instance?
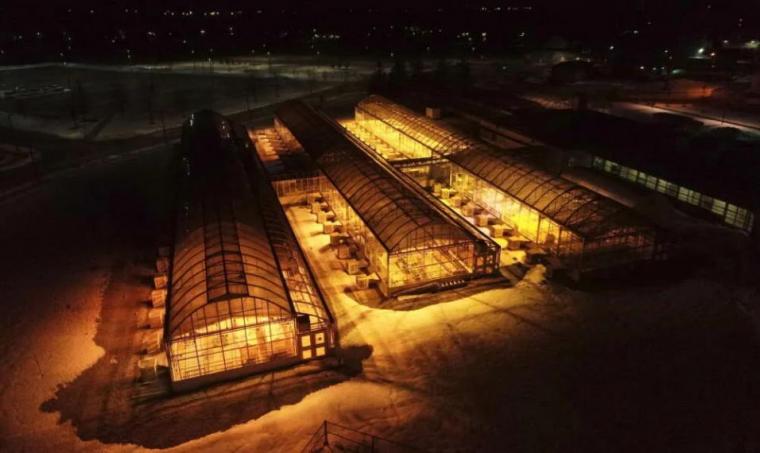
(58, 249)
(711, 118)
(116, 102)
(12, 157)
(290, 66)
(535, 367)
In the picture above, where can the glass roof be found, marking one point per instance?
(390, 210)
(228, 244)
(574, 207)
(300, 283)
(222, 253)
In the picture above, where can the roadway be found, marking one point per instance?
(643, 112)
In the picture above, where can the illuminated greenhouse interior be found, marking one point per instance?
(241, 297)
(406, 242)
(585, 229)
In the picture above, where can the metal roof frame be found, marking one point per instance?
(391, 211)
(230, 245)
(573, 207)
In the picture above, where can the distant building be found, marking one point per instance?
(713, 171)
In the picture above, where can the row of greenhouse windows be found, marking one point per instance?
(381, 147)
(228, 310)
(236, 339)
(429, 138)
(242, 332)
(238, 332)
(230, 340)
(730, 213)
(302, 293)
(620, 246)
(439, 257)
(298, 283)
(411, 148)
(524, 219)
(360, 233)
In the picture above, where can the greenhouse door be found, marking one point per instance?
(313, 344)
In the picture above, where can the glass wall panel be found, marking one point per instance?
(430, 264)
(406, 146)
(366, 241)
(731, 214)
(224, 341)
(550, 211)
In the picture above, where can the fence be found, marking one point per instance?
(331, 437)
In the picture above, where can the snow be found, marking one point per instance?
(60, 127)
(49, 318)
(535, 367)
(536, 274)
(485, 371)
(289, 428)
(181, 88)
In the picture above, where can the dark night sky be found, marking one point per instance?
(287, 24)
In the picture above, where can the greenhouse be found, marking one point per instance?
(729, 213)
(583, 228)
(407, 242)
(411, 134)
(241, 298)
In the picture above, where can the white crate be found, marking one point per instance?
(158, 298)
(156, 318)
(160, 281)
